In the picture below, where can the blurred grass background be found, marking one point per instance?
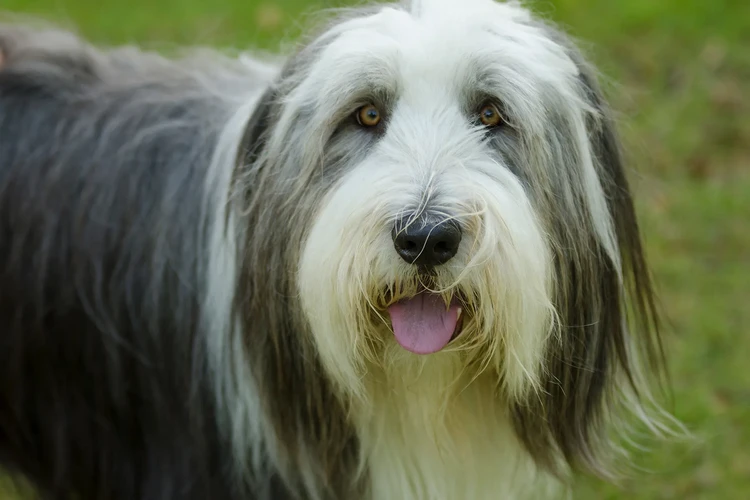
(679, 76)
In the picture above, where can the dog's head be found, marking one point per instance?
(442, 181)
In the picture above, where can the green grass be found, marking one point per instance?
(679, 75)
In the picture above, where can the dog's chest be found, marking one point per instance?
(423, 441)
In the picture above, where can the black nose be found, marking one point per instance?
(427, 242)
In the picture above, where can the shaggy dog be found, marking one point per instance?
(402, 263)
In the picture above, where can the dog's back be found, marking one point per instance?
(104, 213)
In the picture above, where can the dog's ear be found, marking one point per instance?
(606, 313)
(277, 346)
(639, 297)
(257, 128)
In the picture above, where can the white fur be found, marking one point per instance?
(435, 433)
(433, 427)
(436, 427)
(427, 427)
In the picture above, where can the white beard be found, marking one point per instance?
(434, 432)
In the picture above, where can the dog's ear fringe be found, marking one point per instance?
(256, 129)
(277, 346)
(642, 361)
(566, 430)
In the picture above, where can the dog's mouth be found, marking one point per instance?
(424, 323)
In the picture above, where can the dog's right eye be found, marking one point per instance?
(368, 116)
(490, 116)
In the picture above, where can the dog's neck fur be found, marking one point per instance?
(432, 430)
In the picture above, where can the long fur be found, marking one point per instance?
(196, 265)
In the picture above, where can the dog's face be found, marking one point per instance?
(462, 197)
(429, 240)
(452, 126)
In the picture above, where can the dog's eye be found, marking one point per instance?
(368, 116)
(490, 116)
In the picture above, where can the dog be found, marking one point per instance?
(400, 262)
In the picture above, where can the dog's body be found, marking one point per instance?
(205, 290)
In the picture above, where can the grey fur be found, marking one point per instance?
(104, 168)
(152, 216)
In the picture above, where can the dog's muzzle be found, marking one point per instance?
(424, 323)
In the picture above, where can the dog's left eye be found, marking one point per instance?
(490, 116)
(368, 116)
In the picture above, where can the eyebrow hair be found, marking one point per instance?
(365, 79)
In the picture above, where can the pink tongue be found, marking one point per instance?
(423, 324)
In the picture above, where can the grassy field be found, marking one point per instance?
(678, 72)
